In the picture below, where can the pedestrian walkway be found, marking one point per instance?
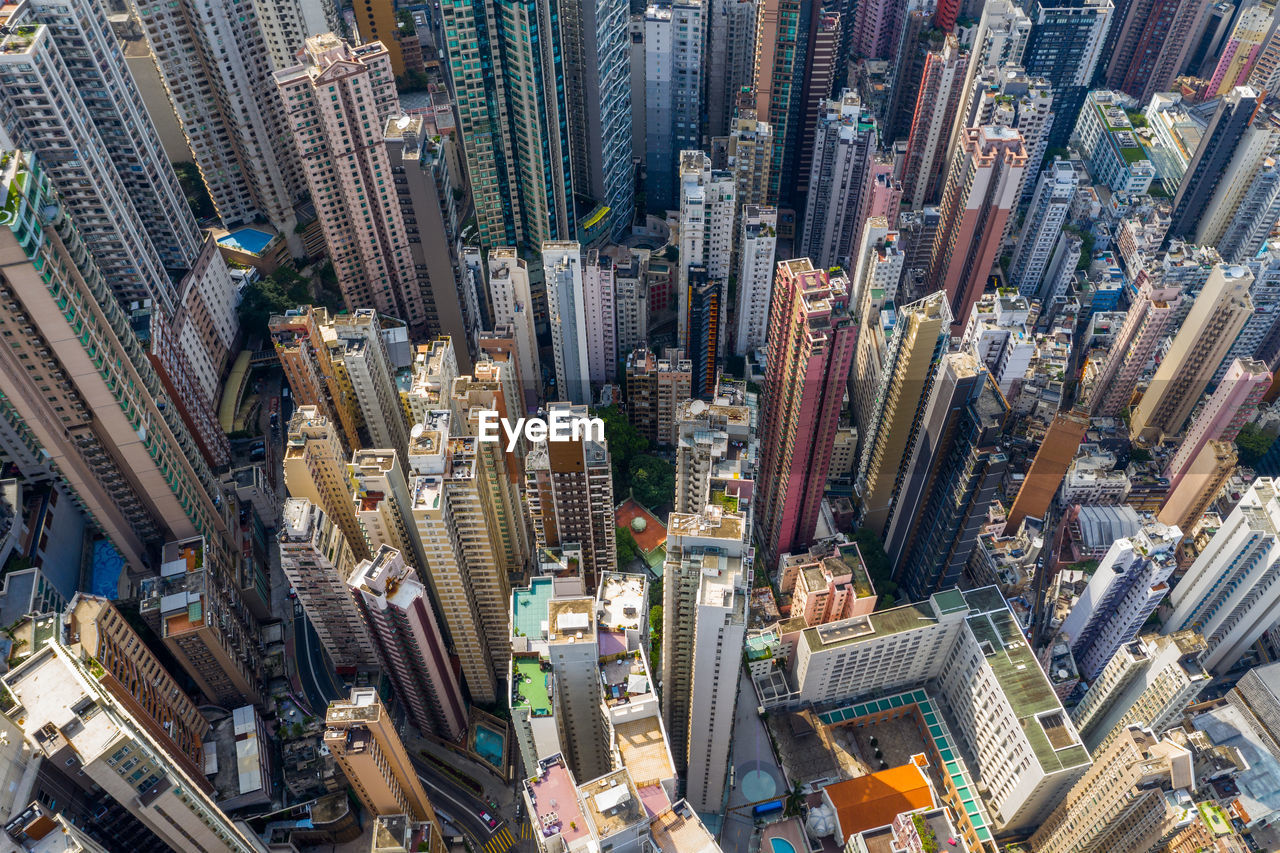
(501, 840)
(526, 831)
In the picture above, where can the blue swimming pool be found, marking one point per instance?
(782, 845)
(489, 745)
(247, 240)
(106, 566)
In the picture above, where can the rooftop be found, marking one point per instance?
(644, 750)
(866, 802)
(613, 803)
(532, 689)
(555, 802)
(623, 603)
(571, 619)
(529, 607)
(650, 535)
(678, 830)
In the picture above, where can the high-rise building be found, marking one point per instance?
(1218, 143)
(1246, 165)
(811, 341)
(937, 104)
(134, 677)
(705, 326)
(878, 265)
(749, 156)
(1003, 31)
(1009, 97)
(716, 453)
(1216, 317)
(1126, 799)
(339, 364)
(1065, 46)
(509, 69)
(1230, 594)
(426, 168)
(1150, 43)
(73, 96)
(376, 22)
(981, 191)
(513, 306)
(757, 241)
(822, 67)
(1232, 405)
(1155, 306)
(317, 561)
(631, 301)
(920, 336)
(70, 720)
(656, 389)
(382, 499)
(451, 500)
(1131, 580)
(1234, 62)
(707, 211)
(844, 143)
(566, 308)
(402, 627)
(874, 28)
(1255, 217)
(1042, 225)
(217, 70)
(1000, 337)
(597, 79)
(1205, 475)
(362, 221)
(598, 290)
(569, 494)
(82, 394)
(673, 44)
(730, 60)
(951, 480)
(362, 737)
(315, 469)
(1148, 682)
(1049, 466)
(703, 614)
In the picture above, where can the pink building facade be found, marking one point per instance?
(1230, 407)
(1143, 329)
(828, 583)
(811, 345)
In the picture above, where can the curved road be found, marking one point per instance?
(460, 804)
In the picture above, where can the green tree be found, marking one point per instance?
(625, 443)
(1253, 443)
(194, 189)
(278, 292)
(653, 480)
(628, 550)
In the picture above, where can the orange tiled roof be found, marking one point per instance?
(875, 800)
(655, 533)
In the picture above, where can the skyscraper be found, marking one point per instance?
(80, 388)
(707, 209)
(705, 325)
(598, 307)
(317, 561)
(1131, 580)
(393, 603)
(1124, 801)
(569, 495)
(362, 737)
(811, 340)
(844, 144)
(951, 480)
(1042, 226)
(70, 720)
(715, 452)
(703, 614)
(1254, 218)
(566, 306)
(363, 225)
(1230, 594)
(731, 42)
(757, 240)
(941, 94)
(1232, 405)
(920, 336)
(376, 22)
(1148, 682)
(1204, 476)
(513, 307)
(315, 469)
(1150, 43)
(1216, 317)
(1065, 47)
(981, 192)
(1218, 143)
(217, 69)
(656, 389)
(673, 44)
(508, 71)
(1156, 304)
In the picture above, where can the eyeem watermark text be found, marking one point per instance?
(562, 426)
